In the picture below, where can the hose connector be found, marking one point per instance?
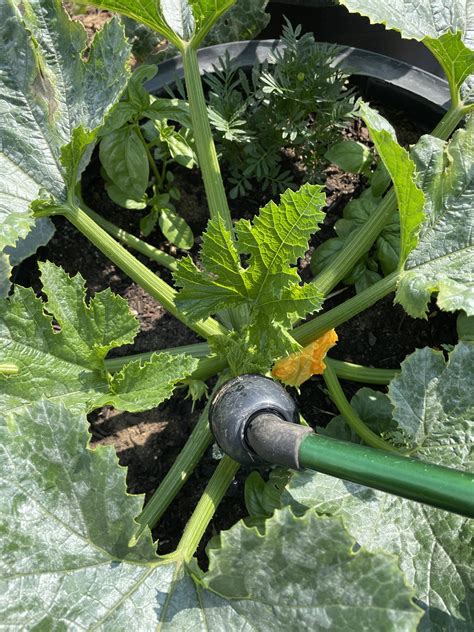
(254, 420)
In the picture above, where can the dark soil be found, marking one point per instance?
(149, 442)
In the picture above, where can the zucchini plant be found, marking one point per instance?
(315, 553)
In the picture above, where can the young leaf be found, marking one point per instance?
(433, 405)
(443, 26)
(175, 229)
(67, 522)
(349, 155)
(402, 171)
(68, 366)
(144, 386)
(269, 285)
(41, 66)
(442, 262)
(125, 161)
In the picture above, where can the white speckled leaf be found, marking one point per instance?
(445, 26)
(66, 562)
(433, 404)
(47, 90)
(443, 260)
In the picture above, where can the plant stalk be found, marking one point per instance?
(197, 443)
(352, 418)
(134, 242)
(197, 350)
(209, 366)
(8, 368)
(144, 277)
(363, 239)
(206, 507)
(205, 147)
(208, 162)
(151, 160)
(306, 333)
(359, 373)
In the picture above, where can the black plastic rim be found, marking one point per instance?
(420, 94)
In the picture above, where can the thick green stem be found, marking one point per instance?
(134, 242)
(8, 368)
(208, 162)
(206, 507)
(363, 239)
(197, 443)
(210, 366)
(144, 277)
(205, 148)
(355, 422)
(359, 373)
(306, 333)
(197, 350)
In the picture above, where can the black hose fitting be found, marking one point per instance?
(249, 418)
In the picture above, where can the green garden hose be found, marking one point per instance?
(433, 485)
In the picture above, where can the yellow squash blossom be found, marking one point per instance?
(300, 366)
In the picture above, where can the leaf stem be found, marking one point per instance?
(306, 333)
(449, 122)
(131, 241)
(359, 373)
(352, 418)
(209, 366)
(205, 147)
(136, 270)
(151, 160)
(363, 239)
(8, 368)
(197, 350)
(208, 162)
(206, 507)
(198, 442)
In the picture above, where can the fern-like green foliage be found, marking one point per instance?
(258, 271)
(297, 99)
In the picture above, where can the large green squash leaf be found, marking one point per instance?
(66, 522)
(47, 90)
(243, 21)
(445, 26)
(177, 20)
(433, 405)
(68, 365)
(443, 260)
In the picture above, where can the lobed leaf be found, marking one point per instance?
(143, 386)
(442, 261)
(270, 284)
(177, 20)
(433, 405)
(66, 560)
(42, 66)
(68, 365)
(303, 574)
